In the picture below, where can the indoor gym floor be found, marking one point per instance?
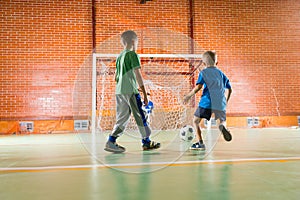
(256, 164)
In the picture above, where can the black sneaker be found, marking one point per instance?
(151, 145)
(198, 146)
(226, 134)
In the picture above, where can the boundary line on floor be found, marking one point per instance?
(147, 164)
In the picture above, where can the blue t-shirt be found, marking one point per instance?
(214, 83)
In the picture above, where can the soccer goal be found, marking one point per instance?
(167, 78)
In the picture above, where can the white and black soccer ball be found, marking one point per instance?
(187, 133)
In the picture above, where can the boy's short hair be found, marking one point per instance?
(209, 58)
(128, 36)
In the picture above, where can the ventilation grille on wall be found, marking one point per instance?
(81, 125)
(252, 121)
(26, 126)
(211, 123)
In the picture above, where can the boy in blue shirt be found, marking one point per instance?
(128, 99)
(213, 100)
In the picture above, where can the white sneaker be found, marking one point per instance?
(114, 147)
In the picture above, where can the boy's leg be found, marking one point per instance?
(142, 123)
(122, 115)
(221, 115)
(122, 118)
(199, 145)
(196, 123)
(139, 116)
(198, 115)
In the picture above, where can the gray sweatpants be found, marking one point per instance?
(127, 104)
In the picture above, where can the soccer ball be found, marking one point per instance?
(187, 133)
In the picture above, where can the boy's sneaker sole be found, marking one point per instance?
(198, 147)
(226, 134)
(151, 145)
(114, 147)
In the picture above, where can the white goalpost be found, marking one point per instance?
(167, 77)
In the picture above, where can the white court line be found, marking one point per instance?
(177, 163)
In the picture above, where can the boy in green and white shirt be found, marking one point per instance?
(128, 99)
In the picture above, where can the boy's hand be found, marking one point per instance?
(186, 99)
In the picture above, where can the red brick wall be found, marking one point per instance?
(44, 44)
(258, 44)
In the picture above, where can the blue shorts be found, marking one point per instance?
(206, 114)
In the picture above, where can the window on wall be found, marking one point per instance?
(26, 126)
(252, 121)
(81, 124)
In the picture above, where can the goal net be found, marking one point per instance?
(167, 78)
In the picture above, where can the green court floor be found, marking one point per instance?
(256, 164)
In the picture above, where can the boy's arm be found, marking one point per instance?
(192, 93)
(229, 94)
(140, 82)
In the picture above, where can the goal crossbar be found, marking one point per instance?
(98, 55)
